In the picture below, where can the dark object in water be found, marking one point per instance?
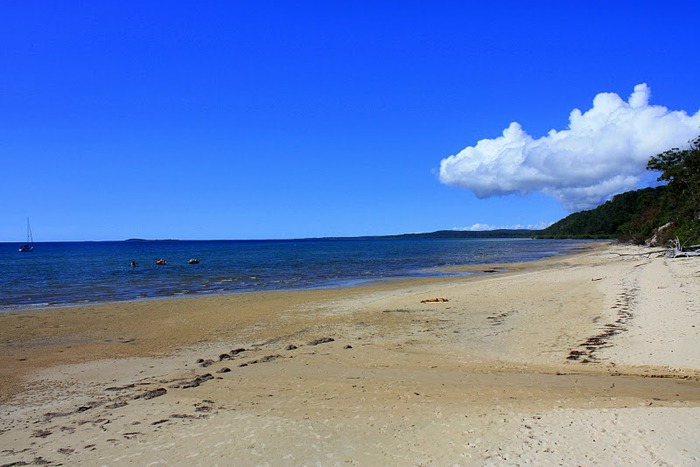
(193, 261)
(161, 262)
(27, 247)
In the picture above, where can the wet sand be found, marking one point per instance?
(585, 359)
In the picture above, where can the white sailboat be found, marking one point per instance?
(30, 240)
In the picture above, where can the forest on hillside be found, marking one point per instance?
(669, 211)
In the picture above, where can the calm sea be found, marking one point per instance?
(86, 272)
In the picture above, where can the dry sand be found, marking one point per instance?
(590, 359)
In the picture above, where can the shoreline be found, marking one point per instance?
(182, 303)
(88, 298)
(345, 284)
(368, 374)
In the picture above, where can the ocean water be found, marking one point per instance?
(67, 273)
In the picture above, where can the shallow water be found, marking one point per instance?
(86, 272)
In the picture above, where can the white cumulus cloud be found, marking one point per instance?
(603, 152)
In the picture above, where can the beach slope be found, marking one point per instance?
(587, 359)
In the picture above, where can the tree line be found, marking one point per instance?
(636, 216)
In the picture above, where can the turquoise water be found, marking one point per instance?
(86, 272)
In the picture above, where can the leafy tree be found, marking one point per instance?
(681, 170)
(629, 216)
(636, 215)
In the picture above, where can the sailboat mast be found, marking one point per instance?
(30, 237)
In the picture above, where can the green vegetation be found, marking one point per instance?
(681, 170)
(628, 216)
(636, 215)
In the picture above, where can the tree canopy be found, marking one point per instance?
(635, 215)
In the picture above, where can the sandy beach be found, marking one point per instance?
(587, 359)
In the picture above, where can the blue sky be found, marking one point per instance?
(249, 119)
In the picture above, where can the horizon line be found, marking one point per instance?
(473, 233)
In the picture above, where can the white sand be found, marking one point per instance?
(485, 378)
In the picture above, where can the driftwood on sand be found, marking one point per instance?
(676, 250)
(645, 253)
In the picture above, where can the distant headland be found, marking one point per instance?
(499, 233)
